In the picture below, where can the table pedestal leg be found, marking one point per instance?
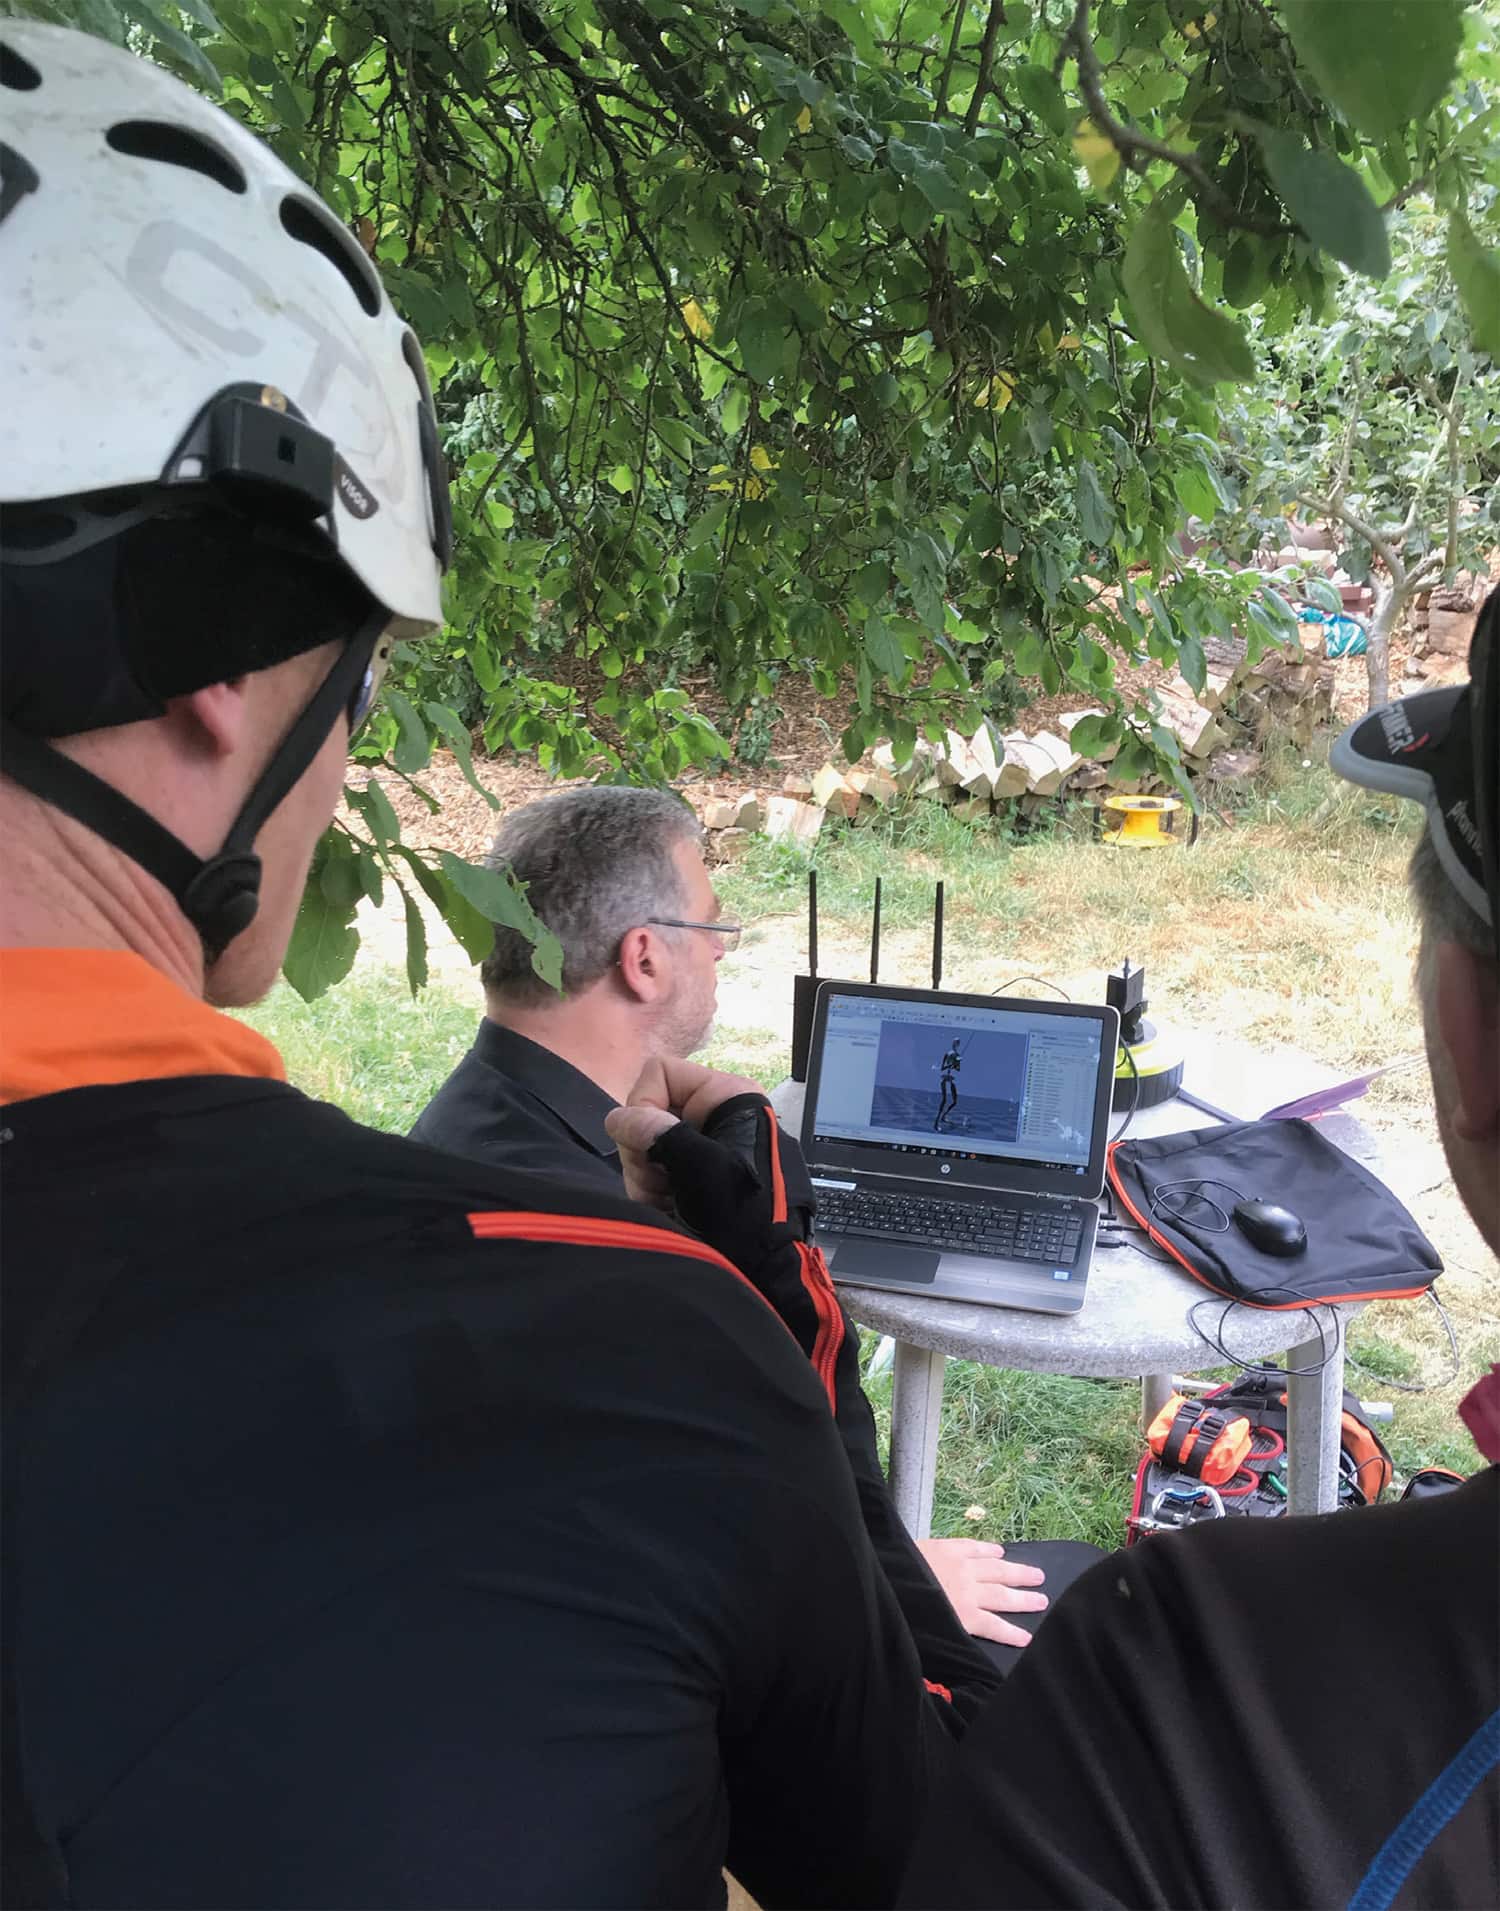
(1314, 1402)
(1156, 1390)
(916, 1412)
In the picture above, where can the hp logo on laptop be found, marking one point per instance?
(946, 1168)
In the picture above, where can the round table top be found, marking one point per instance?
(1134, 1318)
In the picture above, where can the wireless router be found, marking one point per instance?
(805, 987)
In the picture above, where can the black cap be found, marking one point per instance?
(1441, 748)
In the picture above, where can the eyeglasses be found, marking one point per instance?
(362, 699)
(730, 931)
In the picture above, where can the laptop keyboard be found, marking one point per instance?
(963, 1227)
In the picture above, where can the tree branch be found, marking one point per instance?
(1341, 481)
(1378, 541)
(1419, 490)
(992, 27)
(945, 78)
(1137, 150)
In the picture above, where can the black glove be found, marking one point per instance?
(738, 1182)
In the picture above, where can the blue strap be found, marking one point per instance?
(1444, 1798)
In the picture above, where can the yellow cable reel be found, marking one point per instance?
(1146, 822)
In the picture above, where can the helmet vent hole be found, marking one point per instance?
(175, 146)
(411, 351)
(310, 226)
(16, 72)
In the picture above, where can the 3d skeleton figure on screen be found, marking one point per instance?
(951, 1063)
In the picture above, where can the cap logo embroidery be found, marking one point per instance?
(1398, 731)
(1459, 817)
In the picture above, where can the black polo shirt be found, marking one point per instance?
(513, 1103)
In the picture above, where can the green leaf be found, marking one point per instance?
(1195, 492)
(375, 806)
(1193, 665)
(984, 526)
(486, 668)
(734, 410)
(181, 45)
(1330, 202)
(1041, 95)
(416, 944)
(938, 188)
(1172, 322)
(338, 877)
(447, 722)
(1476, 273)
(500, 899)
(1095, 511)
(1317, 590)
(1382, 62)
(413, 745)
(371, 876)
(1132, 761)
(761, 339)
(883, 647)
(324, 941)
(204, 14)
(1247, 270)
(705, 525)
(1090, 735)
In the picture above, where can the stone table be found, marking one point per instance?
(1134, 1320)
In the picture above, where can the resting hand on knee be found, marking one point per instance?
(981, 1584)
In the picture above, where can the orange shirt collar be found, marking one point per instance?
(82, 1018)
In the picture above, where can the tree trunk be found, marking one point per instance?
(1390, 601)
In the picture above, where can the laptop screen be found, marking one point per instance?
(959, 1082)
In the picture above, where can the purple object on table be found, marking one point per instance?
(1323, 1100)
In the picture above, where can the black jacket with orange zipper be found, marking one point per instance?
(385, 1528)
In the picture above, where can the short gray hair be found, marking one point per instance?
(596, 862)
(1443, 914)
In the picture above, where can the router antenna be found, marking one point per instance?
(937, 939)
(875, 938)
(812, 922)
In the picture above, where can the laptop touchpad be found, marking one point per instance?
(884, 1261)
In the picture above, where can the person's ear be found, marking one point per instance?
(1467, 1009)
(642, 964)
(216, 721)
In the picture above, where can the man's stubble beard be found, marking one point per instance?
(685, 1028)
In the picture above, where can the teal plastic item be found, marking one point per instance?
(1342, 636)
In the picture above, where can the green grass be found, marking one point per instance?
(1287, 922)
(367, 1045)
(1028, 1456)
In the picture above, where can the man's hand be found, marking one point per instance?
(668, 1091)
(981, 1583)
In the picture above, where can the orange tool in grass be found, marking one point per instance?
(1199, 1438)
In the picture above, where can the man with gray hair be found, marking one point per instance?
(1297, 1712)
(617, 875)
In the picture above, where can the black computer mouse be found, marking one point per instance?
(1274, 1230)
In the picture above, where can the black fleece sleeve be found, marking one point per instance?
(741, 1184)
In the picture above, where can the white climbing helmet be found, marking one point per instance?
(154, 255)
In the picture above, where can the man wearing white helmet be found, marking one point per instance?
(381, 1528)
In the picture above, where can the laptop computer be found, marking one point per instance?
(956, 1142)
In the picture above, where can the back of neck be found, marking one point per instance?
(598, 1039)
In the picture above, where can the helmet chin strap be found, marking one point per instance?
(220, 895)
